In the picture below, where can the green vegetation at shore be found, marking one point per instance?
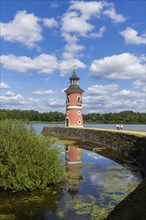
(124, 117)
(27, 161)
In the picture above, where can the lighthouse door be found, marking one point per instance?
(67, 122)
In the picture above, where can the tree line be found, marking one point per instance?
(124, 117)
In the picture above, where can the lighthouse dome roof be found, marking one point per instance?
(74, 89)
(74, 76)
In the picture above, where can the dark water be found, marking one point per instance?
(95, 184)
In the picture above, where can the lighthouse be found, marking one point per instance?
(74, 117)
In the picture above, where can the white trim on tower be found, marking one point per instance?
(74, 106)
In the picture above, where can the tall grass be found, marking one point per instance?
(27, 160)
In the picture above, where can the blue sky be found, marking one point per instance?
(43, 41)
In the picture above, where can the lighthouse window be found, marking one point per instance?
(78, 157)
(79, 98)
(79, 112)
(67, 112)
(68, 100)
(79, 122)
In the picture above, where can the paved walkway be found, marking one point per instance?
(141, 133)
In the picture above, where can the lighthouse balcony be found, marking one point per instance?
(79, 103)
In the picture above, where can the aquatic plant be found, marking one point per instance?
(27, 161)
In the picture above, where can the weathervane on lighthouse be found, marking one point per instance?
(74, 117)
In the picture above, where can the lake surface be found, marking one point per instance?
(95, 184)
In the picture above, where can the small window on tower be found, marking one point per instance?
(68, 100)
(67, 112)
(79, 122)
(79, 98)
(79, 112)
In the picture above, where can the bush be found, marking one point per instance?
(27, 160)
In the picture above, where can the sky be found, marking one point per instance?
(42, 42)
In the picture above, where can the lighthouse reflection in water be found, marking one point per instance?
(73, 156)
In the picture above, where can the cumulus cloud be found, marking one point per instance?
(10, 93)
(115, 101)
(67, 66)
(132, 94)
(71, 22)
(122, 66)
(111, 13)
(101, 89)
(13, 101)
(140, 84)
(87, 9)
(24, 28)
(4, 85)
(50, 22)
(131, 36)
(44, 92)
(44, 63)
(77, 18)
(99, 34)
(77, 22)
(72, 47)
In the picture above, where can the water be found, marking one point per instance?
(95, 184)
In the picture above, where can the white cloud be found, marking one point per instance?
(62, 90)
(132, 94)
(87, 9)
(77, 22)
(77, 18)
(102, 89)
(99, 34)
(4, 85)
(115, 101)
(24, 28)
(66, 66)
(72, 47)
(50, 22)
(44, 63)
(72, 22)
(139, 84)
(122, 66)
(131, 36)
(9, 93)
(111, 13)
(72, 50)
(12, 100)
(44, 92)
(56, 102)
(17, 101)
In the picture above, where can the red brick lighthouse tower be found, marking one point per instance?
(74, 116)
